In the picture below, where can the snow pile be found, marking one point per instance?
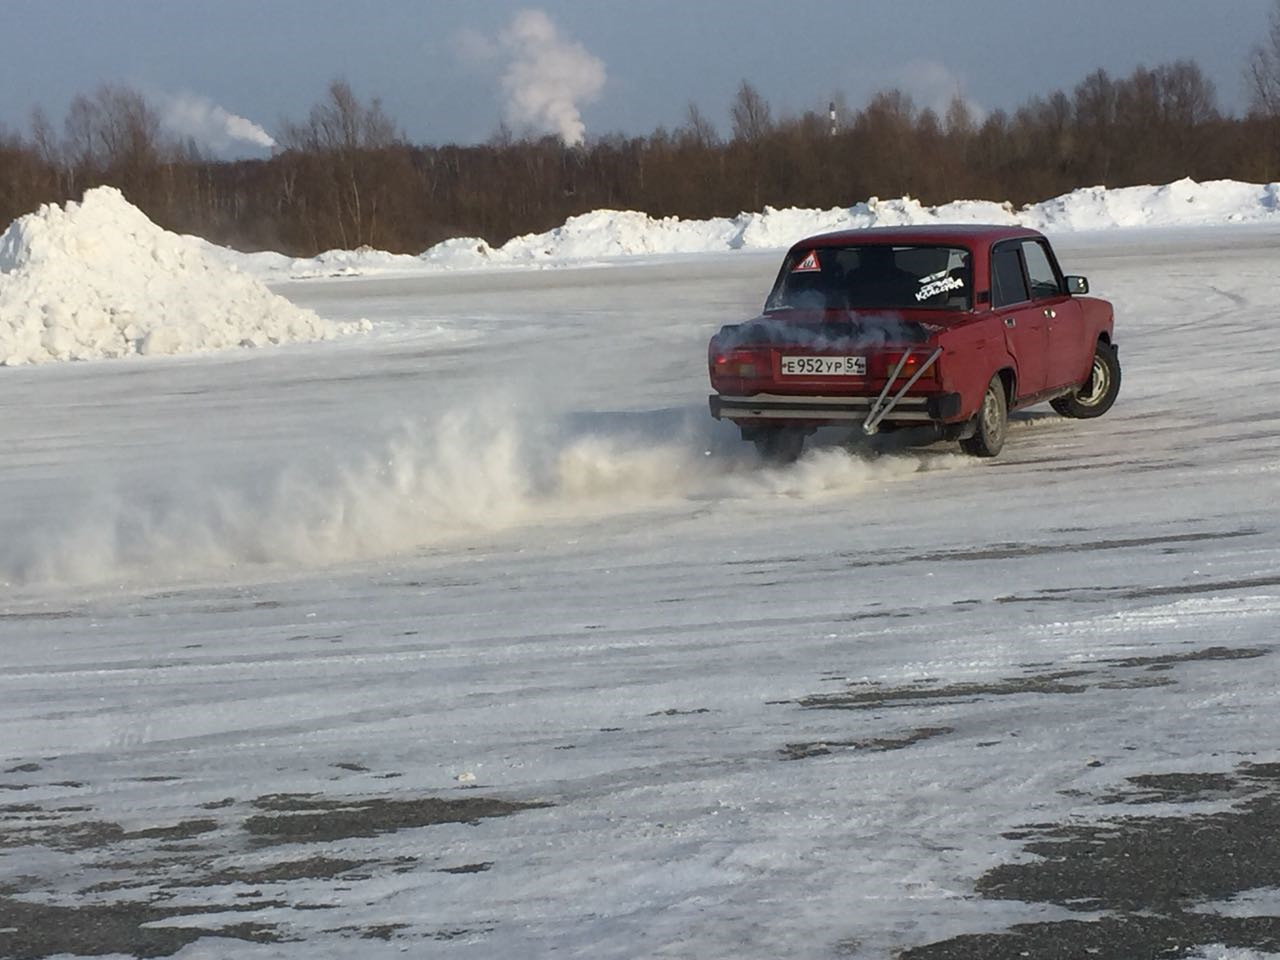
(340, 263)
(610, 234)
(98, 279)
(618, 233)
(1183, 203)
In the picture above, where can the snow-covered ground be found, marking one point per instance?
(289, 638)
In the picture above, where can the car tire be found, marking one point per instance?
(779, 444)
(1098, 393)
(990, 424)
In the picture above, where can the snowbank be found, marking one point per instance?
(609, 234)
(98, 279)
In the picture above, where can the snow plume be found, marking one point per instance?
(466, 476)
(548, 77)
(210, 125)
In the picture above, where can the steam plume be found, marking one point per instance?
(210, 125)
(548, 77)
(934, 85)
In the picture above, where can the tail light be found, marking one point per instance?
(883, 365)
(743, 364)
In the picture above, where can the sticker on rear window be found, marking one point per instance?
(935, 287)
(809, 264)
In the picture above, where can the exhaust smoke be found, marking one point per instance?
(824, 331)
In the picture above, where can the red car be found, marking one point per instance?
(949, 326)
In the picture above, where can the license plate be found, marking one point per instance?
(824, 366)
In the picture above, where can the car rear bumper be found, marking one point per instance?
(937, 408)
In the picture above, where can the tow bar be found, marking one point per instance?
(880, 409)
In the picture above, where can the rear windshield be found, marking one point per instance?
(873, 276)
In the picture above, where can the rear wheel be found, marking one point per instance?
(1098, 393)
(991, 422)
(779, 444)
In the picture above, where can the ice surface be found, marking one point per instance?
(497, 549)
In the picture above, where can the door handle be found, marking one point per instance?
(1010, 322)
(1050, 312)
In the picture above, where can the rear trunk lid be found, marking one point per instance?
(827, 352)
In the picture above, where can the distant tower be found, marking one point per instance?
(833, 117)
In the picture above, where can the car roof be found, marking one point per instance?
(955, 233)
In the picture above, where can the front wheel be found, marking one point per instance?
(1098, 393)
(991, 422)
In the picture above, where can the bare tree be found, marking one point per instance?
(341, 124)
(697, 131)
(1263, 71)
(43, 137)
(1095, 103)
(891, 109)
(25, 178)
(885, 133)
(502, 137)
(349, 148)
(959, 120)
(78, 128)
(112, 136)
(750, 115)
(1188, 97)
(115, 131)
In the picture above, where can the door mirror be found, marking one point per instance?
(1077, 286)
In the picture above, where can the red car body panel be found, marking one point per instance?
(1042, 347)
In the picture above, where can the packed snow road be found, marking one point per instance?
(475, 636)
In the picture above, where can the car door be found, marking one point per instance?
(1066, 362)
(1026, 324)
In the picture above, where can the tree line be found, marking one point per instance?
(344, 177)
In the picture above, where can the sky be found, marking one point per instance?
(230, 72)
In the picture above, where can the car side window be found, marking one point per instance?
(1044, 279)
(1008, 285)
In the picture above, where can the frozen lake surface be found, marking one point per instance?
(474, 636)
